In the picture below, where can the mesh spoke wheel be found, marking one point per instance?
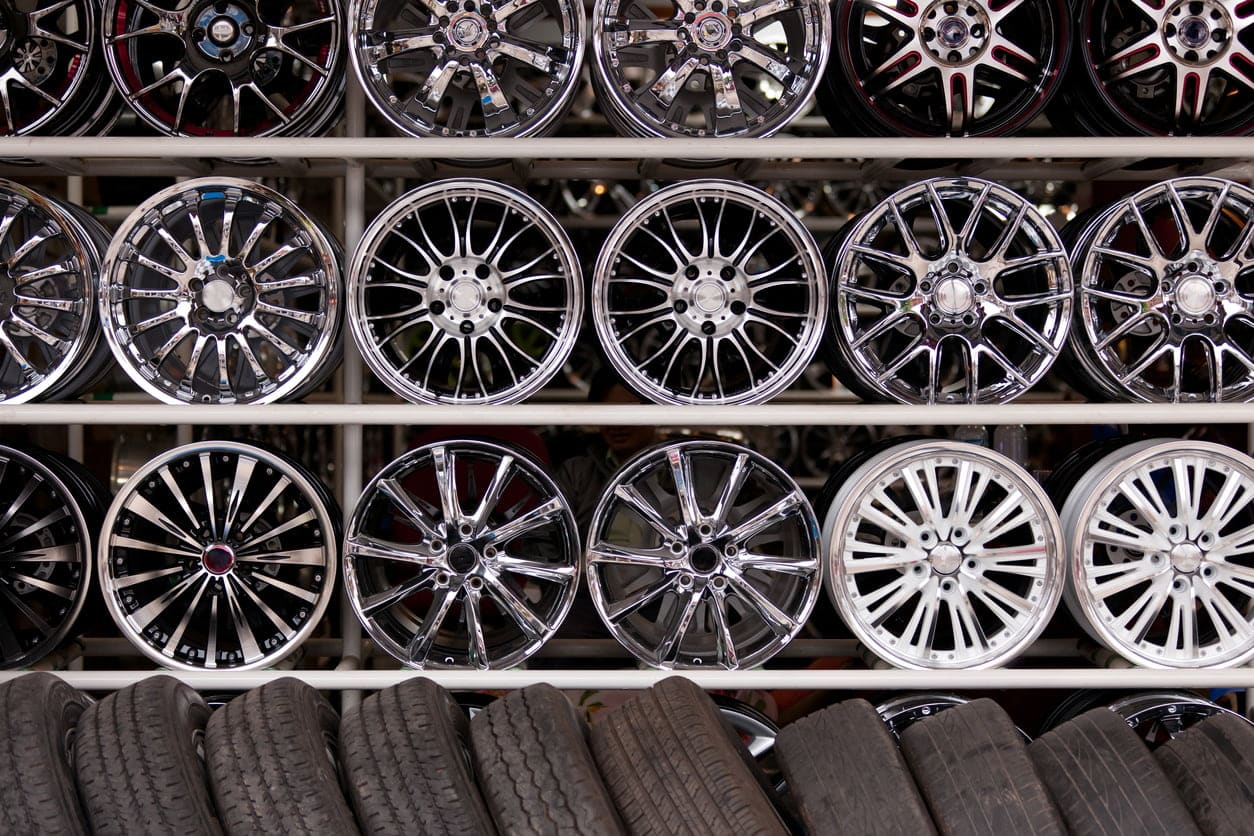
(219, 555)
(462, 554)
(1159, 717)
(703, 554)
(709, 292)
(465, 291)
(223, 291)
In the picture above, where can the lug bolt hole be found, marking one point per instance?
(680, 306)
(466, 529)
(447, 272)
(730, 550)
(475, 583)
(677, 547)
(691, 271)
(738, 307)
(482, 271)
(708, 328)
(704, 530)
(442, 578)
(925, 286)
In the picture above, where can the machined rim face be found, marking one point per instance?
(462, 554)
(233, 68)
(951, 291)
(731, 68)
(1162, 541)
(46, 52)
(1160, 717)
(507, 68)
(703, 554)
(219, 556)
(943, 555)
(465, 291)
(709, 292)
(1166, 293)
(899, 713)
(222, 291)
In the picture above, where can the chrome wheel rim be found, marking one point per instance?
(899, 713)
(219, 556)
(1159, 717)
(709, 292)
(465, 291)
(703, 554)
(977, 315)
(437, 585)
(47, 55)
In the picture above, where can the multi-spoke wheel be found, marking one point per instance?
(228, 67)
(709, 292)
(1161, 535)
(949, 291)
(703, 554)
(943, 554)
(1161, 716)
(219, 555)
(506, 68)
(942, 67)
(465, 291)
(731, 68)
(222, 291)
(1166, 293)
(462, 554)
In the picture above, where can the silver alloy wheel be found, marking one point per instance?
(943, 555)
(1161, 535)
(731, 68)
(465, 291)
(703, 554)
(975, 315)
(507, 68)
(1165, 303)
(219, 556)
(222, 291)
(1160, 716)
(462, 553)
(709, 292)
(899, 713)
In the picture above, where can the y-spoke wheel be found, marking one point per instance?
(732, 68)
(703, 554)
(949, 291)
(1166, 293)
(462, 554)
(709, 292)
(1162, 538)
(943, 554)
(219, 555)
(465, 291)
(1161, 716)
(222, 291)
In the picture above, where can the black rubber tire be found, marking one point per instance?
(138, 761)
(972, 766)
(530, 749)
(404, 755)
(1212, 768)
(39, 713)
(673, 765)
(270, 763)
(847, 776)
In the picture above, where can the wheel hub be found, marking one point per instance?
(954, 296)
(222, 31)
(711, 31)
(710, 297)
(218, 296)
(1193, 290)
(467, 297)
(1197, 32)
(467, 31)
(223, 293)
(704, 559)
(955, 33)
(952, 289)
(1195, 295)
(463, 558)
(1186, 557)
(218, 559)
(945, 558)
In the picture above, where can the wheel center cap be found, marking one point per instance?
(218, 559)
(222, 31)
(703, 558)
(945, 558)
(462, 558)
(1194, 32)
(711, 30)
(465, 296)
(954, 296)
(953, 32)
(1186, 557)
(218, 295)
(1195, 295)
(710, 297)
(467, 31)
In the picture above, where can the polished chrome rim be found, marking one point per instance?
(709, 292)
(465, 291)
(899, 713)
(703, 554)
(218, 555)
(46, 64)
(951, 291)
(1159, 717)
(462, 554)
(943, 554)
(1166, 296)
(222, 291)
(506, 68)
(726, 69)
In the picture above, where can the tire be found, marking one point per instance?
(531, 752)
(672, 766)
(39, 713)
(404, 756)
(139, 762)
(973, 769)
(271, 764)
(1212, 767)
(846, 774)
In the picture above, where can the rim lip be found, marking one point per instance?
(404, 206)
(630, 117)
(1144, 706)
(324, 248)
(544, 124)
(70, 103)
(897, 712)
(282, 464)
(642, 462)
(764, 204)
(874, 469)
(1083, 502)
(86, 545)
